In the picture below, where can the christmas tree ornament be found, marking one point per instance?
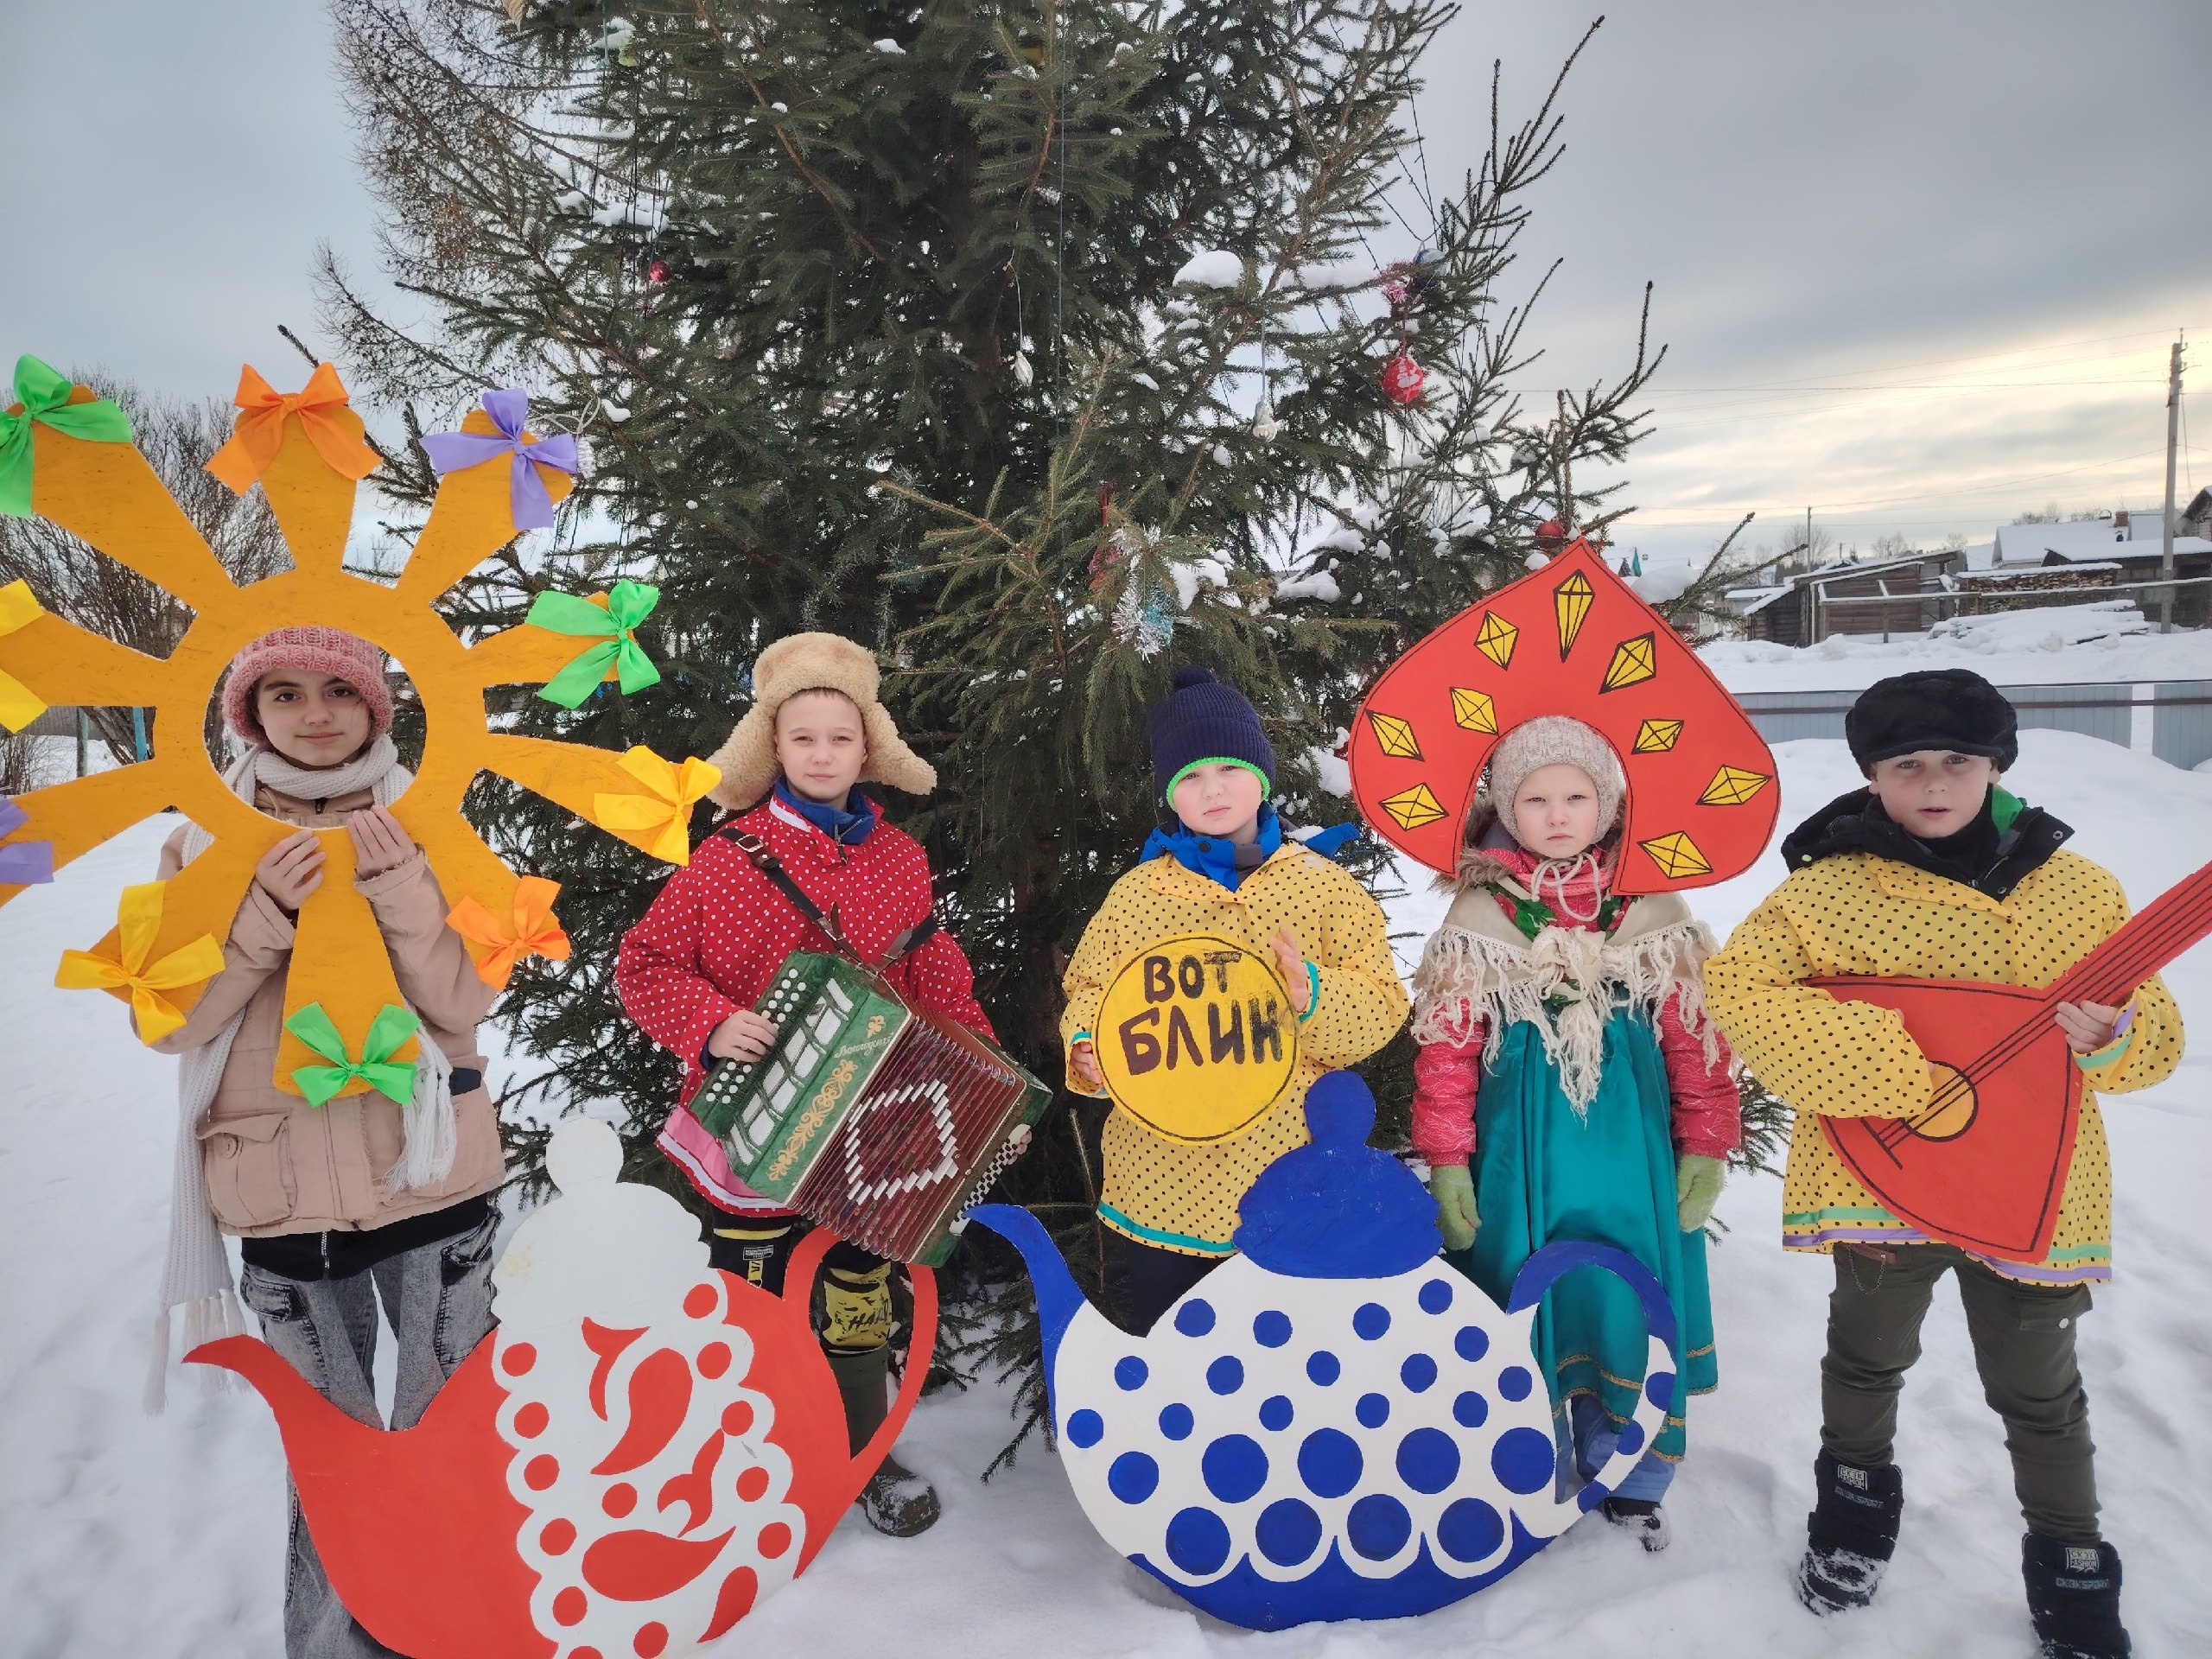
(1402, 378)
(1570, 637)
(657, 272)
(307, 452)
(1265, 427)
(1023, 374)
(1334, 1425)
(640, 1450)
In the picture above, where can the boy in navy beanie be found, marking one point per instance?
(1225, 868)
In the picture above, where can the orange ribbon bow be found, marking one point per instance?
(263, 411)
(138, 919)
(497, 946)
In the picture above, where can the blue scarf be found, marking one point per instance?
(1216, 857)
(848, 825)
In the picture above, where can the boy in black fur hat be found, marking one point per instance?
(1934, 871)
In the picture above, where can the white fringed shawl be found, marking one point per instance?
(1480, 969)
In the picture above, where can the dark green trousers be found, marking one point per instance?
(2022, 1339)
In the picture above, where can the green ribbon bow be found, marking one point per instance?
(392, 1027)
(44, 394)
(628, 603)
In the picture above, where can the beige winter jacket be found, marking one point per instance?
(273, 1163)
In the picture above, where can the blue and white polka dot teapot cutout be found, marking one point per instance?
(1334, 1424)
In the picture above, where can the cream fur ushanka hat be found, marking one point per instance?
(813, 662)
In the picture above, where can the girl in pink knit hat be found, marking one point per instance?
(363, 1200)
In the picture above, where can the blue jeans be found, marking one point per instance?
(1591, 1438)
(437, 1299)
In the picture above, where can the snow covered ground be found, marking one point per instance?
(124, 1535)
(2073, 644)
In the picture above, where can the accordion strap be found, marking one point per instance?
(762, 857)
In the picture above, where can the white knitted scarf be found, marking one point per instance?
(1565, 982)
(196, 1269)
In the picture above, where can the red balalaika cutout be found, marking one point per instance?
(1568, 639)
(1985, 1166)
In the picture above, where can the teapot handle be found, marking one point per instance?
(1662, 1357)
(798, 1294)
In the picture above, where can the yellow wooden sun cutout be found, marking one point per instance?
(104, 493)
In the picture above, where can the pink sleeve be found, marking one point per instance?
(1708, 1113)
(1446, 1077)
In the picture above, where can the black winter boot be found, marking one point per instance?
(1640, 1516)
(896, 1500)
(1850, 1535)
(2074, 1599)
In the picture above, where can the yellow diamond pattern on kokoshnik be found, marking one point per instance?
(1676, 856)
(1570, 603)
(1731, 786)
(1634, 662)
(1495, 639)
(1414, 807)
(1395, 736)
(1474, 709)
(1657, 736)
(105, 494)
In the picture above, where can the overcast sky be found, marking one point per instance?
(1918, 264)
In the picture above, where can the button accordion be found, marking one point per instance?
(879, 1121)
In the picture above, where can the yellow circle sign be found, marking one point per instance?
(1197, 1037)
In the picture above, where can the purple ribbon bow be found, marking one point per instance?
(22, 862)
(531, 506)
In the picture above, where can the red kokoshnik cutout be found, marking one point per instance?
(1570, 639)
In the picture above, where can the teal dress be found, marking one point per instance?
(1544, 1172)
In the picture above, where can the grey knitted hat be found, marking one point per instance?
(1550, 740)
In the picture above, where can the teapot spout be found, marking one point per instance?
(1058, 1299)
(415, 1528)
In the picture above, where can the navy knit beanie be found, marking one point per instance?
(1202, 720)
(1952, 709)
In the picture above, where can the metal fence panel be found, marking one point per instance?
(1785, 717)
(2094, 710)
(2181, 724)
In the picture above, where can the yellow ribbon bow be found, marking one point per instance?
(137, 919)
(19, 704)
(260, 432)
(496, 946)
(665, 814)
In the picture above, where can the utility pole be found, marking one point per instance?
(2166, 524)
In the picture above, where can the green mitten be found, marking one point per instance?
(1454, 1191)
(1698, 1181)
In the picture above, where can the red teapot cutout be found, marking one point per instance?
(1570, 638)
(641, 1449)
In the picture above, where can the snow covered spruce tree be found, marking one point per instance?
(1045, 347)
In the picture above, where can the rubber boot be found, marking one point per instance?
(2074, 1599)
(1850, 1535)
(896, 1500)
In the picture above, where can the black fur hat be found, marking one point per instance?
(1952, 709)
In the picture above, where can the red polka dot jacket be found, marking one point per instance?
(716, 934)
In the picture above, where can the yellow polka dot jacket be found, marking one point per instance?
(1184, 1197)
(1859, 914)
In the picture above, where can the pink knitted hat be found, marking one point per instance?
(326, 651)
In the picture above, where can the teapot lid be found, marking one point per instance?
(1338, 1209)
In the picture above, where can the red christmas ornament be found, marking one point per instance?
(1402, 378)
(657, 272)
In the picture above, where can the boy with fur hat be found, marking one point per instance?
(691, 970)
(1225, 868)
(1933, 871)
(1569, 1086)
(359, 1200)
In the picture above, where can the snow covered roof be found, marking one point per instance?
(2086, 538)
